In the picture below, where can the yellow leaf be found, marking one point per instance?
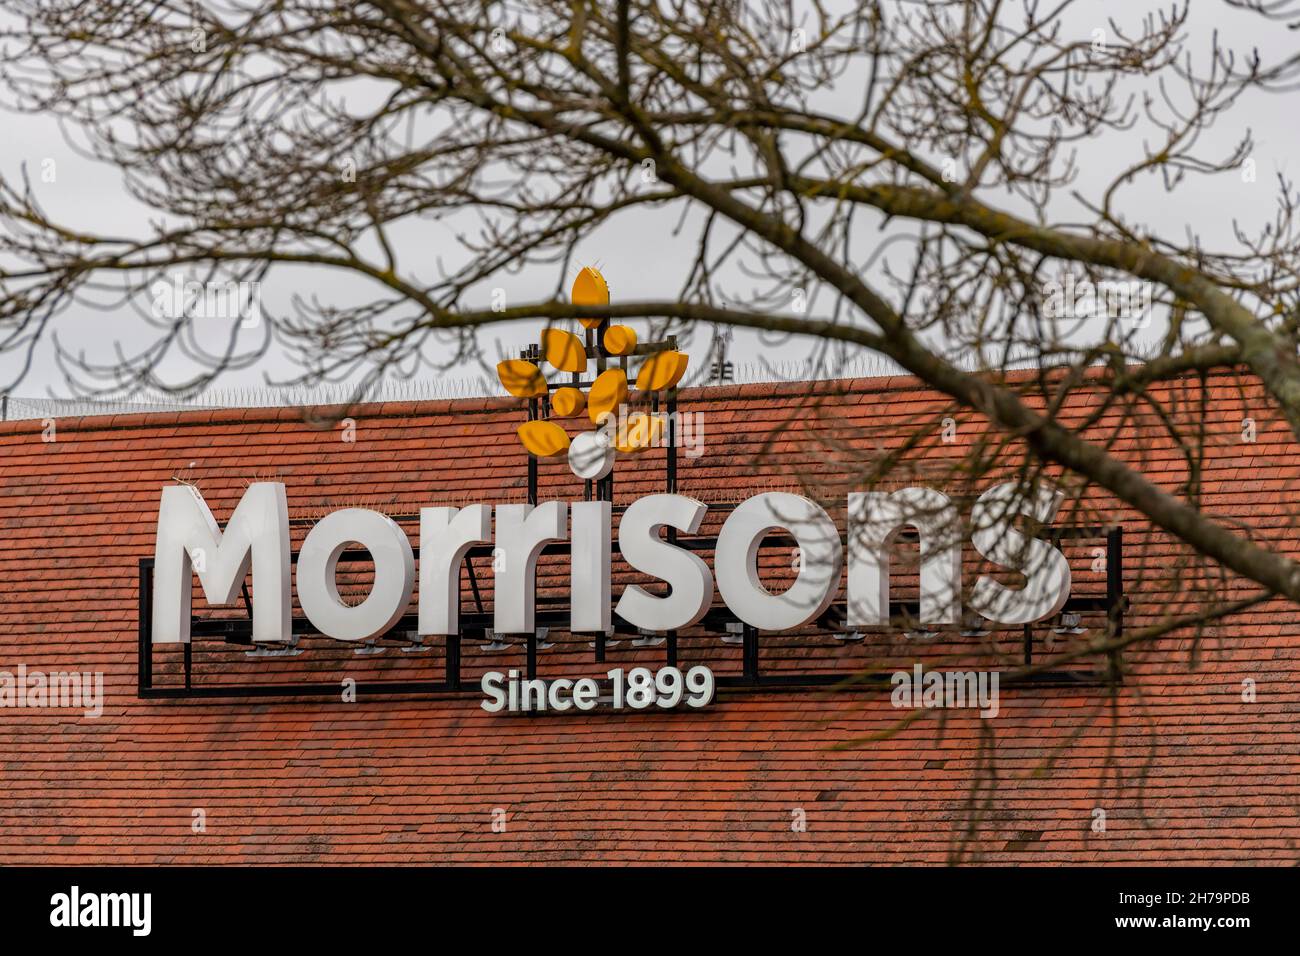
(564, 350)
(642, 431)
(620, 340)
(521, 379)
(661, 370)
(607, 393)
(567, 401)
(589, 289)
(543, 439)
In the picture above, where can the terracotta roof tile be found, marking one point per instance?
(1202, 776)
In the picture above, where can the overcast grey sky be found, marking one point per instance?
(637, 253)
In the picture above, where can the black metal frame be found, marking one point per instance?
(478, 620)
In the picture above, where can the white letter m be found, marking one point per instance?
(189, 541)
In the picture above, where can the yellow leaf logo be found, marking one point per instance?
(591, 454)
